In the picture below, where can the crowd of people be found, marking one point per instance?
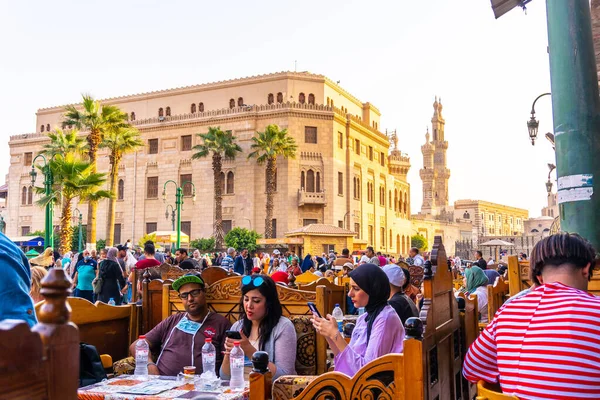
(525, 346)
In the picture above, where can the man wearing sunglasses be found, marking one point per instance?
(177, 341)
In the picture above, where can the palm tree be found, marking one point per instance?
(73, 177)
(97, 119)
(267, 146)
(63, 142)
(119, 141)
(220, 144)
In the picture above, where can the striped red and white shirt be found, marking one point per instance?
(544, 345)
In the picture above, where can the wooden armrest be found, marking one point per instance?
(107, 361)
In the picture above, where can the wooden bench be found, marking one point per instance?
(42, 363)
(428, 369)
(152, 303)
(498, 293)
(336, 293)
(469, 330)
(223, 297)
(111, 329)
(487, 391)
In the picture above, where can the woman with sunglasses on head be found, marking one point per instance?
(263, 328)
(378, 331)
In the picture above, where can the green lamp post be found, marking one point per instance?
(48, 181)
(172, 214)
(179, 202)
(80, 238)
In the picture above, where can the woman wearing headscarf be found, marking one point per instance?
(112, 278)
(307, 263)
(476, 282)
(378, 331)
(46, 259)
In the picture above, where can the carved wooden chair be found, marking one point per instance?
(223, 297)
(487, 391)
(111, 329)
(497, 294)
(306, 277)
(213, 274)
(518, 275)
(337, 293)
(42, 362)
(469, 330)
(152, 303)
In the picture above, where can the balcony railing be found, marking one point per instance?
(311, 198)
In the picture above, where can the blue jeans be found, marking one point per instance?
(85, 294)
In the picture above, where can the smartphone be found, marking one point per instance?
(233, 335)
(314, 310)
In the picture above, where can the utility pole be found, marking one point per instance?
(576, 111)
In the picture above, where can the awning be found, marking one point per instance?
(170, 237)
(31, 241)
(293, 240)
(497, 242)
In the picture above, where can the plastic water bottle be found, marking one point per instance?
(338, 314)
(111, 302)
(236, 366)
(209, 355)
(141, 356)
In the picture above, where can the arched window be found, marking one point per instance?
(405, 204)
(318, 182)
(200, 107)
(132, 116)
(121, 190)
(358, 186)
(231, 103)
(395, 200)
(48, 128)
(24, 196)
(161, 113)
(279, 97)
(270, 98)
(391, 239)
(310, 180)
(168, 111)
(311, 99)
(193, 108)
(301, 98)
(466, 215)
(230, 182)
(42, 128)
(30, 195)
(302, 181)
(240, 101)
(390, 199)
(403, 245)
(222, 182)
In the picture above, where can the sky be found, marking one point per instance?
(395, 54)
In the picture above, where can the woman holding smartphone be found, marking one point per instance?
(262, 327)
(378, 331)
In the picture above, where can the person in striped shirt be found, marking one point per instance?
(546, 344)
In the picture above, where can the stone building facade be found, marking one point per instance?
(345, 173)
(491, 219)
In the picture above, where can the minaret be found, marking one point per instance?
(442, 174)
(434, 174)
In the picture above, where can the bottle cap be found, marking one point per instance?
(208, 340)
(142, 337)
(337, 305)
(236, 343)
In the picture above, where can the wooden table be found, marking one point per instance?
(117, 388)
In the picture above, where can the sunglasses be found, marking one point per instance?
(194, 293)
(255, 280)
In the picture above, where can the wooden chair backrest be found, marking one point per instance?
(498, 293)
(337, 293)
(442, 356)
(306, 277)
(223, 297)
(469, 329)
(213, 274)
(486, 391)
(152, 303)
(392, 376)
(111, 329)
(416, 275)
(518, 275)
(42, 362)
(172, 272)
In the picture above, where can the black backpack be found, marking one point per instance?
(90, 366)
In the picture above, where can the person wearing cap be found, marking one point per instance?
(404, 306)
(178, 340)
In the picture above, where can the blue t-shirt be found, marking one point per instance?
(15, 302)
(85, 275)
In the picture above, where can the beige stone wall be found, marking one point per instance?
(450, 233)
(314, 244)
(492, 219)
(246, 206)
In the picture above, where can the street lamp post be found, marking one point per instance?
(533, 124)
(80, 233)
(172, 213)
(179, 202)
(48, 181)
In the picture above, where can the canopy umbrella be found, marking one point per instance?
(497, 242)
(32, 253)
(167, 237)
